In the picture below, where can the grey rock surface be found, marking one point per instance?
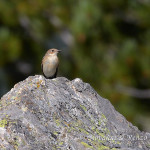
(43, 114)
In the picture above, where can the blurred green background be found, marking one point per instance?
(104, 42)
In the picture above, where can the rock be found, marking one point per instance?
(44, 114)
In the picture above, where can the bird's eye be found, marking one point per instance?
(52, 50)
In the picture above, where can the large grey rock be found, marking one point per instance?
(41, 114)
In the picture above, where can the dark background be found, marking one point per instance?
(105, 43)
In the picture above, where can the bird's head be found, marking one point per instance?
(53, 51)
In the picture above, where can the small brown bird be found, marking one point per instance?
(50, 63)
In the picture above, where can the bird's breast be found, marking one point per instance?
(50, 65)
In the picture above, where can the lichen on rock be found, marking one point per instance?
(42, 114)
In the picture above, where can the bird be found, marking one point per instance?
(50, 63)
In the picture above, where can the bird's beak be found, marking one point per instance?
(58, 50)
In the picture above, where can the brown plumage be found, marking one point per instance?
(50, 63)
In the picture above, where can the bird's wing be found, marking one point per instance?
(42, 67)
